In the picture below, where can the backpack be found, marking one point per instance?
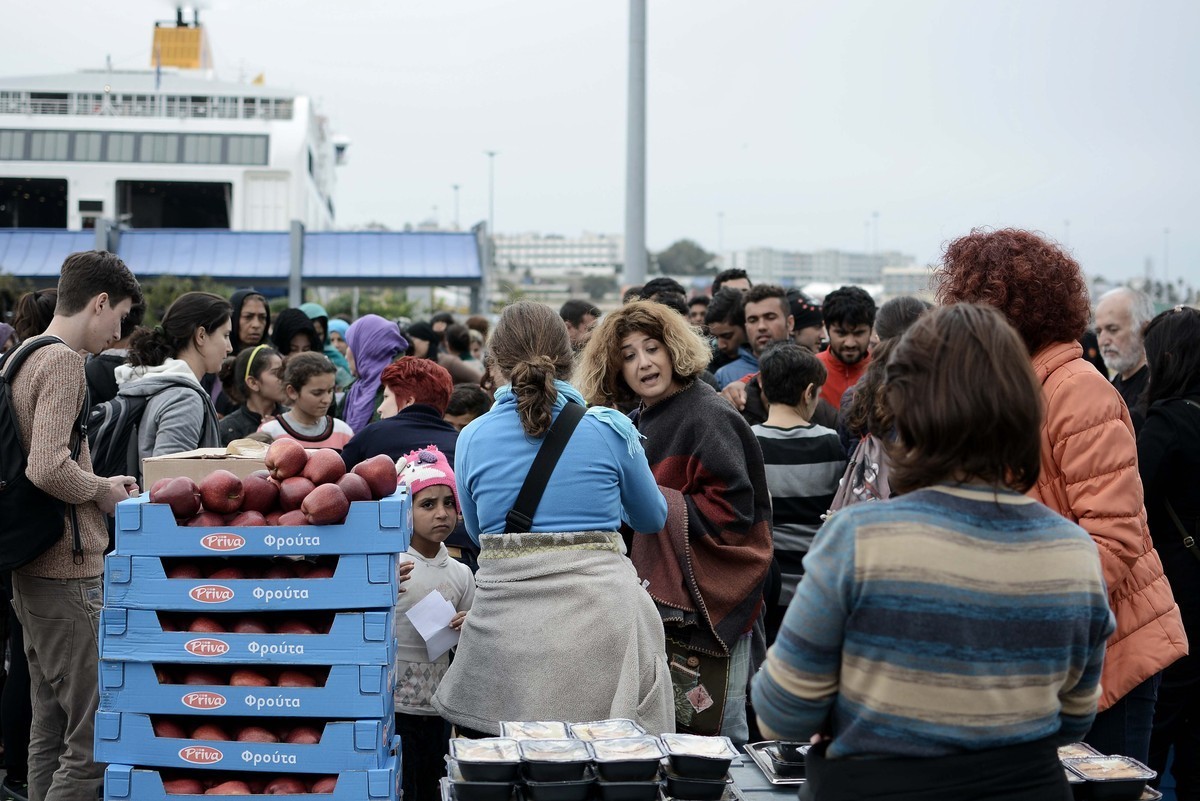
(33, 519)
(112, 432)
(866, 477)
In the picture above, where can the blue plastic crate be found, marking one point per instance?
(345, 745)
(126, 783)
(351, 692)
(149, 529)
(360, 581)
(356, 638)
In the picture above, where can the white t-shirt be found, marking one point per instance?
(417, 678)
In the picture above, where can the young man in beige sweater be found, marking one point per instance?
(58, 596)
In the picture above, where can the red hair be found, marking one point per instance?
(1032, 281)
(423, 380)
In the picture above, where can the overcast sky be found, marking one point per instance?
(795, 120)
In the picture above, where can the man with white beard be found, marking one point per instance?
(1121, 316)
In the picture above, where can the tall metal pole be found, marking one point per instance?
(491, 154)
(635, 148)
(455, 186)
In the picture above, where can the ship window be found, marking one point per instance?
(33, 202)
(12, 145)
(163, 148)
(247, 150)
(48, 145)
(202, 149)
(87, 146)
(120, 147)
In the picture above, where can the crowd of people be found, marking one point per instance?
(932, 539)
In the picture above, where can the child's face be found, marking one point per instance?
(269, 383)
(315, 397)
(434, 514)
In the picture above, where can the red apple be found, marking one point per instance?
(228, 573)
(183, 787)
(319, 572)
(246, 677)
(163, 675)
(249, 518)
(323, 785)
(295, 678)
(286, 458)
(205, 625)
(325, 505)
(294, 626)
(355, 487)
(250, 625)
(293, 491)
(273, 517)
(325, 466)
(181, 494)
(169, 728)
(229, 788)
(380, 474)
(293, 518)
(221, 491)
(207, 520)
(158, 485)
(303, 735)
(256, 734)
(185, 571)
(280, 570)
(286, 785)
(198, 677)
(260, 495)
(209, 731)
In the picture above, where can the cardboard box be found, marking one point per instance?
(199, 463)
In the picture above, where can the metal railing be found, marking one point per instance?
(169, 106)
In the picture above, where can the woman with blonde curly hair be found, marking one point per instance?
(706, 569)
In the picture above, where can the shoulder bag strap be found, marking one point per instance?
(1189, 541)
(520, 517)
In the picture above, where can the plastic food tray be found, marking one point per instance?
(759, 753)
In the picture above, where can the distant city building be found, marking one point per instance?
(794, 268)
(916, 280)
(552, 254)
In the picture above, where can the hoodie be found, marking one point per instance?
(289, 323)
(316, 311)
(179, 415)
(237, 300)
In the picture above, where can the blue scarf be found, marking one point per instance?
(610, 417)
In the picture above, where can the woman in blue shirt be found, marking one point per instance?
(561, 628)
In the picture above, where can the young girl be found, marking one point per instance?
(435, 513)
(255, 380)
(308, 382)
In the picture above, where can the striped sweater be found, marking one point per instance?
(945, 621)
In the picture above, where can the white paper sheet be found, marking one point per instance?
(431, 618)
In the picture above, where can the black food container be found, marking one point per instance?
(631, 759)
(696, 757)
(688, 789)
(560, 791)
(492, 759)
(792, 752)
(611, 729)
(1111, 778)
(1076, 750)
(787, 768)
(628, 791)
(535, 730)
(555, 760)
(479, 791)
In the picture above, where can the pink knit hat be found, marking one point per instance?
(427, 467)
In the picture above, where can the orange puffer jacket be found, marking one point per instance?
(1090, 475)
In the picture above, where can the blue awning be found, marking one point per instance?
(419, 257)
(226, 256)
(39, 253)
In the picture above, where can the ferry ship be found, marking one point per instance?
(170, 146)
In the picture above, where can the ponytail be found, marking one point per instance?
(150, 347)
(190, 312)
(533, 384)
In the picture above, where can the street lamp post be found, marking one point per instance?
(455, 187)
(635, 148)
(491, 154)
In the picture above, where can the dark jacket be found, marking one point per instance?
(102, 384)
(289, 323)
(241, 422)
(1169, 461)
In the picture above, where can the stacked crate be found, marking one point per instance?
(160, 681)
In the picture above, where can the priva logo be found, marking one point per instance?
(211, 594)
(204, 700)
(222, 542)
(200, 755)
(206, 646)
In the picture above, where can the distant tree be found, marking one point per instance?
(597, 286)
(11, 290)
(387, 303)
(161, 292)
(684, 257)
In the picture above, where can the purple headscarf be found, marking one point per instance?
(375, 343)
(6, 331)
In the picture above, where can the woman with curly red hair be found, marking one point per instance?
(1088, 465)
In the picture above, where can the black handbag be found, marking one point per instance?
(520, 517)
(33, 519)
